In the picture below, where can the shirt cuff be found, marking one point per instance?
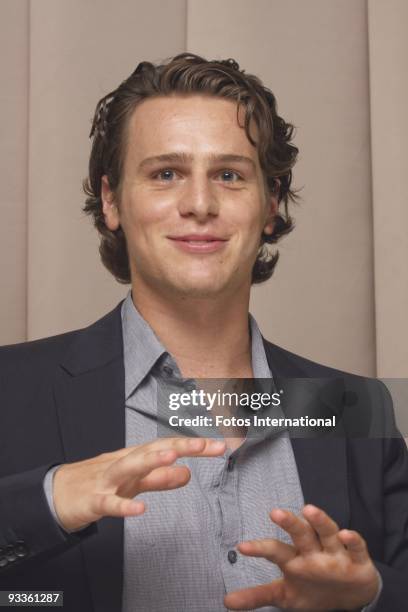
(48, 490)
(371, 606)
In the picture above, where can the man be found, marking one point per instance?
(189, 177)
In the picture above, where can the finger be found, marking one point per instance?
(190, 447)
(355, 546)
(137, 465)
(113, 505)
(326, 529)
(303, 536)
(271, 549)
(134, 464)
(256, 597)
(110, 457)
(200, 446)
(185, 447)
(165, 478)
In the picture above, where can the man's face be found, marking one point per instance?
(193, 202)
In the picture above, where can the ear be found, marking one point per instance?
(109, 206)
(272, 209)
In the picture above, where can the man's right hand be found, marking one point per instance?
(88, 490)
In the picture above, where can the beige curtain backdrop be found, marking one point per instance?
(388, 43)
(339, 71)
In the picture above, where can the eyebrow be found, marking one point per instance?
(184, 158)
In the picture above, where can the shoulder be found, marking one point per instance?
(45, 353)
(291, 364)
(36, 352)
(285, 364)
(366, 403)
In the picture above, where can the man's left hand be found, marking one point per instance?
(325, 568)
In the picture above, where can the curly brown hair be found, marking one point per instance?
(189, 74)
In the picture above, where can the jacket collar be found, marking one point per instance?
(321, 461)
(95, 346)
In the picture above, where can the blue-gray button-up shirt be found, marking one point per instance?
(181, 554)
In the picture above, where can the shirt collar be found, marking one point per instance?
(140, 340)
(260, 366)
(141, 347)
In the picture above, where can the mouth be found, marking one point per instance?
(199, 243)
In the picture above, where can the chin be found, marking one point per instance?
(197, 291)
(198, 288)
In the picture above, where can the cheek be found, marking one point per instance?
(141, 214)
(249, 224)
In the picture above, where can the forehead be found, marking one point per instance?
(193, 124)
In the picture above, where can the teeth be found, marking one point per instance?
(198, 241)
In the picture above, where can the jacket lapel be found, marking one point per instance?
(321, 461)
(90, 400)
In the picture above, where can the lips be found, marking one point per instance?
(201, 238)
(199, 243)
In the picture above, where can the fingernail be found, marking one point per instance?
(278, 513)
(217, 444)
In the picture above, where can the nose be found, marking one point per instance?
(198, 198)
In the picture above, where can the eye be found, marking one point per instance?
(230, 176)
(165, 175)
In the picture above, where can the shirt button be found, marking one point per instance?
(167, 370)
(10, 553)
(230, 464)
(20, 549)
(232, 556)
(3, 560)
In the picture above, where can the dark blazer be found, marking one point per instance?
(62, 400)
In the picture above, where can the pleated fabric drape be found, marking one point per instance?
(388, 44)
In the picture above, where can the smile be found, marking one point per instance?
(198, 243)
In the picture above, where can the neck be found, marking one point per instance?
(208, 337)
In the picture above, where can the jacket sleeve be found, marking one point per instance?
(28, 530)
(394, 569)
(29, 447)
